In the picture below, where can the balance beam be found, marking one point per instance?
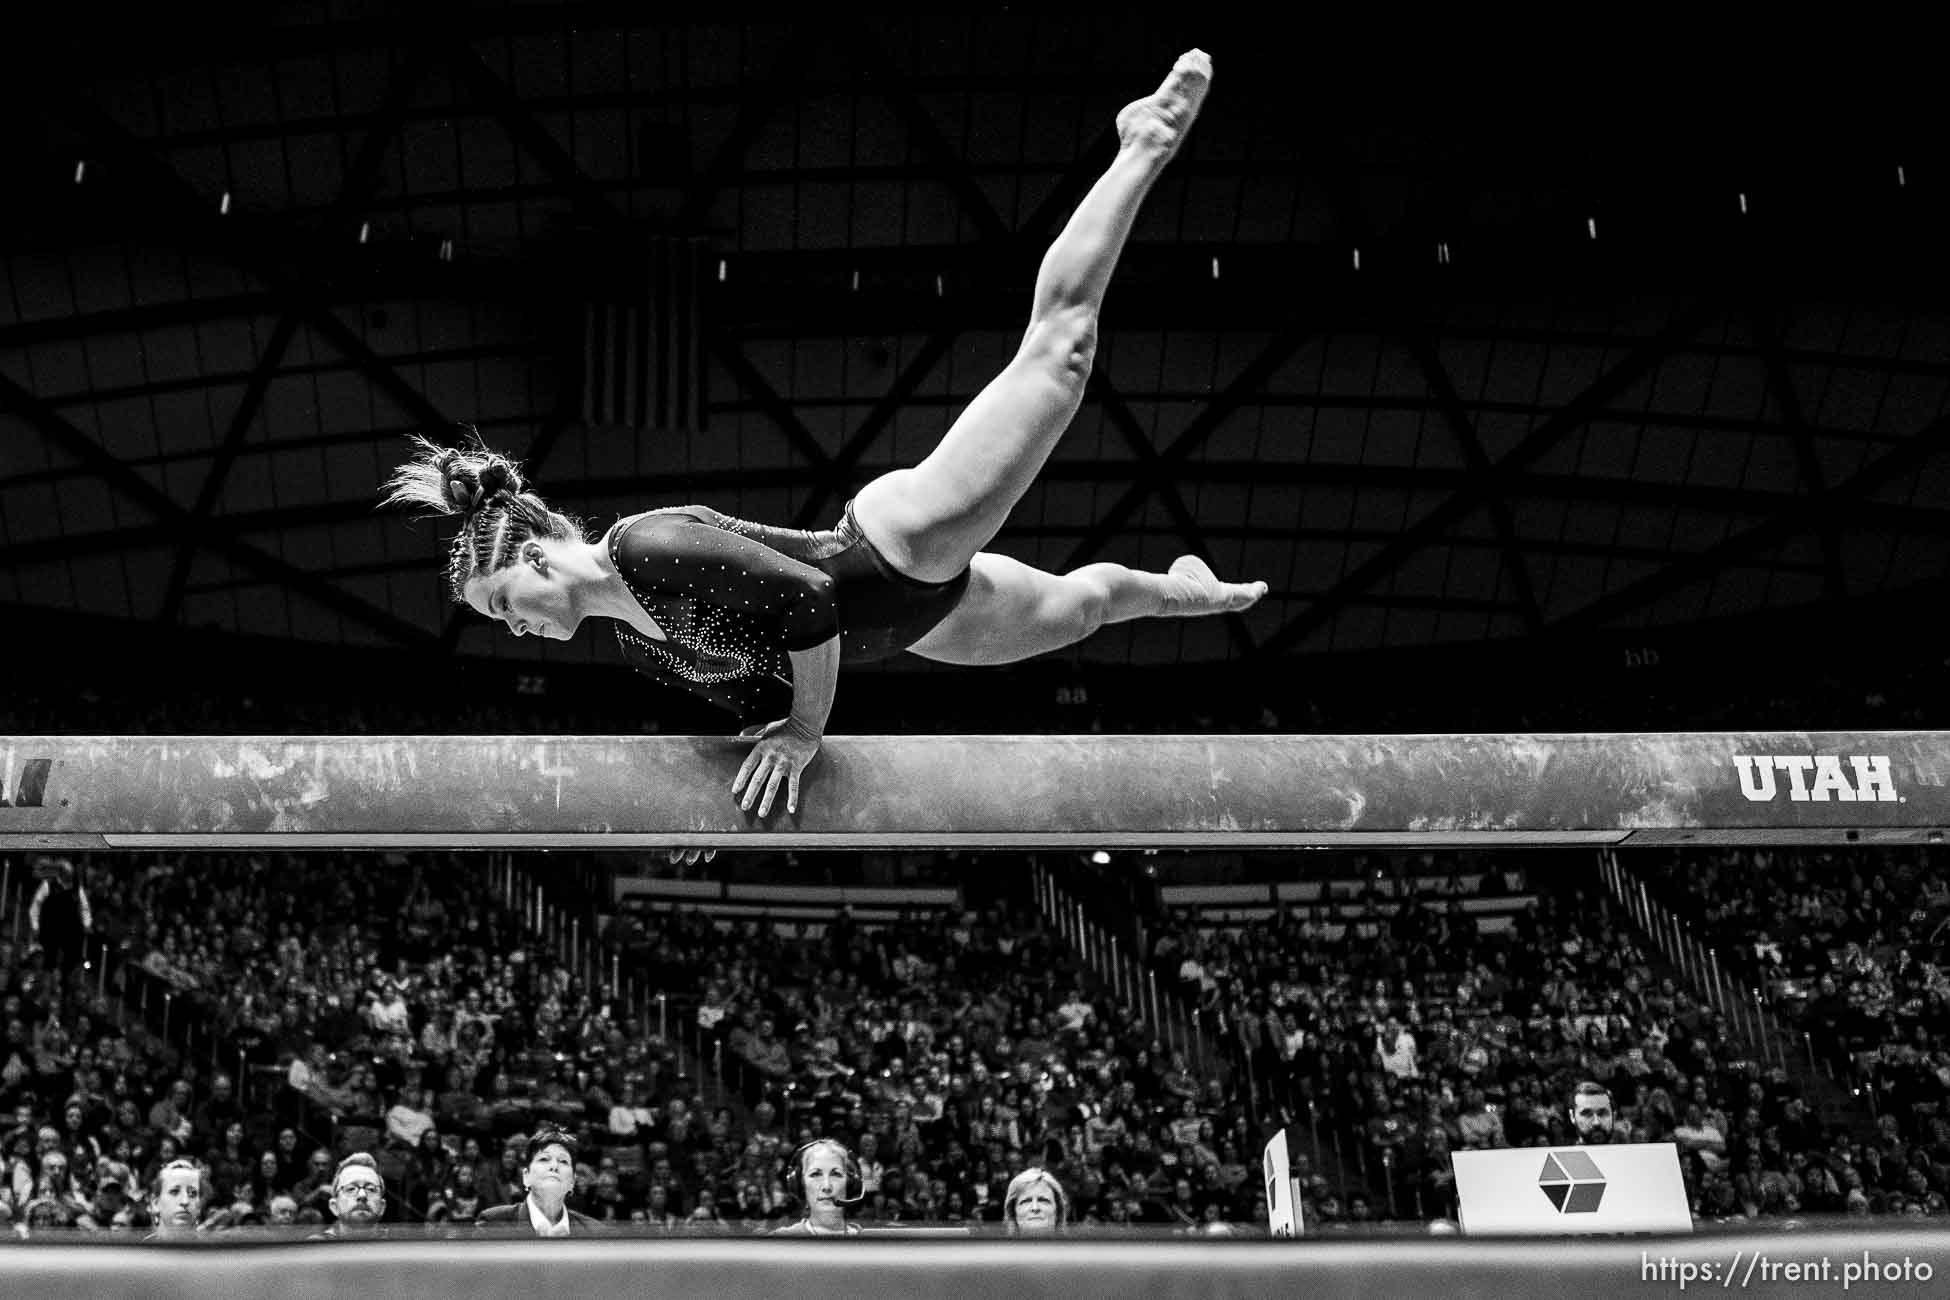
(501, 792)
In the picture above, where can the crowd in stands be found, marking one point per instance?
(1851, 947)
(953, 1052)
(305, 969)
(1425, 1035)
(390, 1004)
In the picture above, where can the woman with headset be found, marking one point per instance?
(828, 1180)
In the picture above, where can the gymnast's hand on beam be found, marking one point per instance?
(781, 753)
(690, 857)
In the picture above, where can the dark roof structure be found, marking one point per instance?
(1448, 352)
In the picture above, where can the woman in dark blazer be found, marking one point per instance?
(549, 1174)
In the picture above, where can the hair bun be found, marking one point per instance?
(493, 477)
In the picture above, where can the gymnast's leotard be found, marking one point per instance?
(736, 598)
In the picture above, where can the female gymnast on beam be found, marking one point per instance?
(727, 609)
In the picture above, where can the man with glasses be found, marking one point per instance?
(358, 1201)
(1591, 1113)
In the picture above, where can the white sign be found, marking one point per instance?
(1283, 1213)
(1559, 1191)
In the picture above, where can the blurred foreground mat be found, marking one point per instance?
(1893, 1262)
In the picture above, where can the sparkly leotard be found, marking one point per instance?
(736, 598)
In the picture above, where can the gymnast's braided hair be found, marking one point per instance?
(486, 489)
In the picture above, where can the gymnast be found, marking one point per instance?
(738, 612)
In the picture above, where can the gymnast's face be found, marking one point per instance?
(530, 595)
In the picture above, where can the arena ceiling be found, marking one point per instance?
(1442, 357)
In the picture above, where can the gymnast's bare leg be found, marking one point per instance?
(932, 521)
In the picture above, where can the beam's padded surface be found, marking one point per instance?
(1021, 791)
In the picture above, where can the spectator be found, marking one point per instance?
(171, 1115)
(112, 1209)
(358, 1201)
(459, 1108)
(629, 1117)
(1590, 1110)
(59, 916)
(825, 1180)
(408, 1120)
(1034, 1204)
(176, 1200)
(219, 1110)
(548, 1175)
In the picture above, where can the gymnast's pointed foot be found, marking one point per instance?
(1160, 120)
(1199, 591)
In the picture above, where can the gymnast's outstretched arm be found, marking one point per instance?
(785, 747)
